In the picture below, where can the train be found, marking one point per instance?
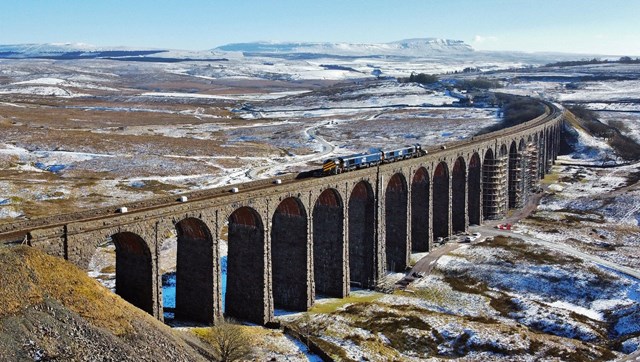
(336, 165)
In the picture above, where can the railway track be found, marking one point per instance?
(16, 232)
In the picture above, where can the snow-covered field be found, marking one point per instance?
(176, 147)
(627, 122)
(606, 95)
(499, 300)
(97, 132)
(591, 208)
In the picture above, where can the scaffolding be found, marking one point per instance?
(541, 163)
(531, 155)
(550, 158)
(517, 192)
(494, 184)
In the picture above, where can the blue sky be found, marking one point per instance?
(577, 26)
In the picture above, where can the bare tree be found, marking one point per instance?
(229, 341)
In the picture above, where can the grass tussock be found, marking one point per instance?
(395, 324)
(551, 178)
(463, 283)
(332, 306)
(331, 349)
(151, 186)
(530, 253)
(434, 295)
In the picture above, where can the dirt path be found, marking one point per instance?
(516, 215)
(425, 265)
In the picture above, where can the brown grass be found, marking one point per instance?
(531, 254)
(28, 276)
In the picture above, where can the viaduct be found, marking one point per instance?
(293, 238)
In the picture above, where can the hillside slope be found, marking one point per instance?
(51, 310)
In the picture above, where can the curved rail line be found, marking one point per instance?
(17, 231)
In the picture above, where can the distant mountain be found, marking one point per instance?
(431, 48)
(69, 51)
(408, 47)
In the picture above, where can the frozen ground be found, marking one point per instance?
(591, 208)
(71, 156)
(149, 129)
(499, 300)
(627, 122)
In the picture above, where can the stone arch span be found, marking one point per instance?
(504, 152)
(458, 195)
(362, 236)
(246, 273)
(289, 250)
(441, 200)
(328, 244)
(474, 189)
(134, 272)
(396, 203)
(194, 271)
(420, 211)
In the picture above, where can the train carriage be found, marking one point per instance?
(334, 166)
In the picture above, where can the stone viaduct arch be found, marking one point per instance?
(362, 232)
(328, 244)
(289, 256)
(474, 190)
(396, 203)
(288, 241)
(441, 203)
(134, 272)
(246, 266)
(194, 271)
(420, 210)
(458, 196)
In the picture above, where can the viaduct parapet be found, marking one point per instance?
(290, 241)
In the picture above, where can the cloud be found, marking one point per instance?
(484, 39)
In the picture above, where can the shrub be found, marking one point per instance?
(478, 83)
(624, 146)
(421, 78)
(229, 341)
(515, 110)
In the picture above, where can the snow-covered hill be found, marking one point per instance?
(69, 51)
(404, 48)
(443, 55)
(409, 47)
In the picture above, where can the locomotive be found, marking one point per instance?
(334, 166)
